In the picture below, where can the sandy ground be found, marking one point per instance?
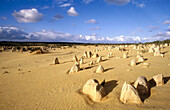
(29, 82)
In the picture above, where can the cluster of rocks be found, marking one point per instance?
(136, 92)
(140, 59)
(87, 54)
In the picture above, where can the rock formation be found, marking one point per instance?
(75, 68)
(133, 62)
(159, 79)
(141, 84)
(129, 94)
(100, 69)
(56, 61)
(94, 90)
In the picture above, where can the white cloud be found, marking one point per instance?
(167, 22)
(168, 33)
(87, 1)
(27, 15)
(65, 5)
(91, 21)
(118, 2)
(72, 12)
(141, 5)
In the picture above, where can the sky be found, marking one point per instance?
(85, 21)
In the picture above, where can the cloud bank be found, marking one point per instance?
(16, 34)
(27, 15)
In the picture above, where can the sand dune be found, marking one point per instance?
(29, 82)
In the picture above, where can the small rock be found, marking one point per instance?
(100, 69)
(5, 72)
(82, 60)
(124, 55)
(75, 59)
(133, 62)
(75, 69)
(159, 79)
(56, 61)
(95, 55)
(99, 59)
(91, 63)
(141, 59)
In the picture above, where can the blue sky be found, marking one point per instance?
(103, 21)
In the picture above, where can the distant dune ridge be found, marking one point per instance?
(128, 75)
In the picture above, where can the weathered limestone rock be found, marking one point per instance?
(166, 44)
(94, 90)
(141, 59)
(108, 56)
(99, 59)
(138, 56)
(95, 55)
(133, 62)
(56, 61)
(81, 60)
(134, 47)
(151, 50)
(159, 79)
(124, 55)
(85, 54)
(89, 54)
(110, 53)
(157, 52)
(141, 85)
(100, 69)
(75, 68)
(91, 63)
(75, 59)
(129, 94)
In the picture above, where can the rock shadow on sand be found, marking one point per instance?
(151, 84)
(108, 69)
(109, 86)
(86, 68)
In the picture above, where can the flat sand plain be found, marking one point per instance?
(33, 82)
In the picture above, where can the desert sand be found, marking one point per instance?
(34, 82)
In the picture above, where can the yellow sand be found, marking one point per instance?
(33, 82)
